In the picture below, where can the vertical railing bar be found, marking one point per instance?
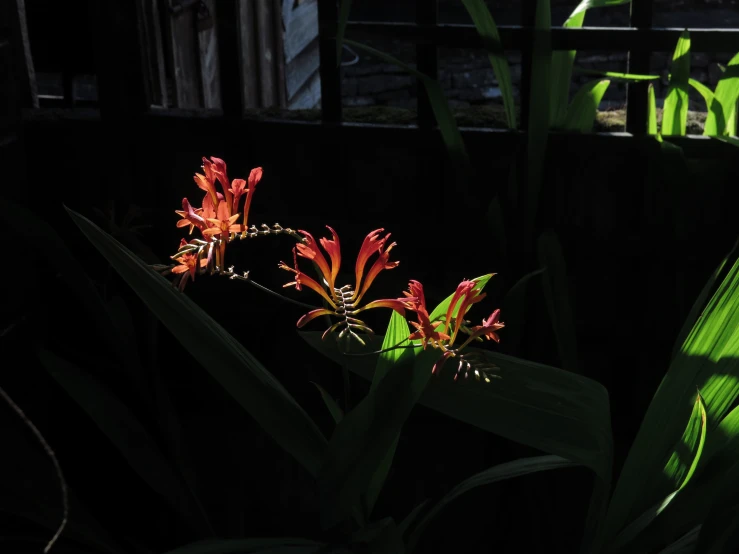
(427, 61)
(528, 19)
(330, 71)
(638, 62)
(227, 15)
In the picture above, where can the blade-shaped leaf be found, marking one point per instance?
(616, 75)
(362, 440)
(708, 360)
(538, 114)
(675, 111)
(582, 111)
(652, 128)
(345, 7)
(557, 298)
(488, 31)
(562, 66)
(243, 546)
(513, 310)
(241, 375)
(720, 531)
(590, 4)
(556, 411)
(721, 118)
(678, 471)
(716, 277)
(443, 113)
(704, 91)
(510, 470)
(397, 335)
(441, 309)
(128, 435)
(336, 412)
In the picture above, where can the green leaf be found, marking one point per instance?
(700, 302)
(440, 310)
(333, 408)
(628, 77)
(488, 31)
(675, 111)
(410, 520)
(364, 437)
(720, 531)
(243, 546)
(240, 374)
(538, 124)
(708, 360)
(678, 471)
(556, 411)
(562, 66)
(129, 437)
(729, 140)
(345, 6)
(704, 91)
(443, 113)
(721, 118)
(582, 111)
(513, 311)
(652, 112)
(397, 335)
(557, 298)
(516, 468)
(378, 537)
(590, 4)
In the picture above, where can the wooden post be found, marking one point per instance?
(330, 69)
(229, 59)
(637, 93)
(248, 53)
(153, 48)
(427, 13)
(528, 20)
(26, 91)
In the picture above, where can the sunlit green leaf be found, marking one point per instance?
(582, 111)
(721, 118)
(652, 128)
(675, 111)
(709, 361)
(441, 309)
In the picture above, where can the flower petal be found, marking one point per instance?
(333, 249)
(310, 316)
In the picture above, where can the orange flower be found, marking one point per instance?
(189, 264)
(343, 302)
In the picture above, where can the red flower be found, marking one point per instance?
(425, 328)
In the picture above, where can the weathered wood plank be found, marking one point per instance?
(248, 54)
(309, 96)
(229, 58)
(153, 49)
(266, 53)
(208, 51)
(330, 72)
(279, 45)
(637, 93)
(26, 90)
(302, 68)
(184, 55)
(301, 26)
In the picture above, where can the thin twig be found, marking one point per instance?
(245, 277)
(57, 467)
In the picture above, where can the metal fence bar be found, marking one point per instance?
(427, 60)
(637, 93)
(587, 38)
(329, 69)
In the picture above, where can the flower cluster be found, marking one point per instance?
(344, 302)
(219, 222)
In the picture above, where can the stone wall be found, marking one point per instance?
(467, 78)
